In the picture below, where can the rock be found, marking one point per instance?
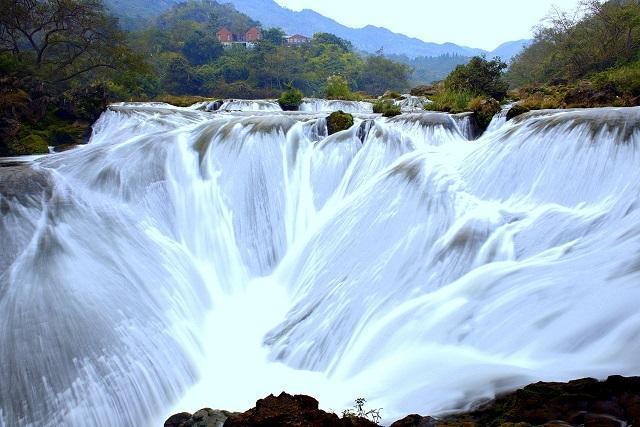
(415, 421)
(484, 109)
(586, 95)
(424, 90)
(291, 411)
(586, 402)
(391, 95)
(516, 111)
(203, 418)
(339, 121)
(178, 420)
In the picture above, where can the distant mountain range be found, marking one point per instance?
(133, 13)
(368, 39)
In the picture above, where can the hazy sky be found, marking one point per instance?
(476, 23)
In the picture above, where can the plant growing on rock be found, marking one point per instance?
(338, 88)
(339, 121)
(291, 99)
(387, 108)
(359, 411)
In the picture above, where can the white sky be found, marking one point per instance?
(475, 23)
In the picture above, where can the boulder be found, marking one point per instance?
(516, 111)
(415, 421)
(203, 418)
(339, 121)
(286, 410)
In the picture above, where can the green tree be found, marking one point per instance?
(274, 36)
(338, 88)
(480, 77)
(202, 48)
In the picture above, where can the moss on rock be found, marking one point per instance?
(484, 109)
(30, 144)
(516, 111)
(339, 121)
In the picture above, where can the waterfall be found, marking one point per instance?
(185, 259)
(313, 105)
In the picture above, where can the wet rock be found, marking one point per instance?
(292, 411)
(584, 402)
(415, 421)
(203, 418)
(339, 121)
(516, 111)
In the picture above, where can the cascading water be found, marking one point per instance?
(313, 105)
(186, 259)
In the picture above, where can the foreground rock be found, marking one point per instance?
(292, 411)
(281, 411)
(339, 121)
(586, 402)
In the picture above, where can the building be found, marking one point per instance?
(297, 39)
(225, 36)
(247, 40)
(253, 35)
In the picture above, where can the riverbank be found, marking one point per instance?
(587, 402)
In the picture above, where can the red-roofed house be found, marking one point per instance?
(225, 36)
(297, 39)
(253, 35)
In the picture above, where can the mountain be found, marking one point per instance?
(508, 50)
(135, 13)
(368, 39)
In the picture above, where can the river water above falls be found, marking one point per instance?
(186, 259)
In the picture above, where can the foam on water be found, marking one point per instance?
(185, 259)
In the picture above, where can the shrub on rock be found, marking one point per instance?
(291, 99)
(484, 109)
(30, 144)
(387, 108)
(339, 121)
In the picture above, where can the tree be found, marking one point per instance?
(273, 35)
(479, 77)
(202, 47)
(380, 74)
(338, 88)
(332, 39)
(62, 39)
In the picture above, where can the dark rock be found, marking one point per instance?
(291, 411)
(339, 121)
(203, 418)
(415, 421)
(516, 111)
(178, 420)
(586, 95)
(586, 402)
(424, 90)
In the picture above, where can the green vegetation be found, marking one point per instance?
(430, 69)
(480, 77)
(339, 121)
(63, 61)
(387, 108)
(291, 99)
(338, 88)
(590, 61)
(182, 47)
(449, 101)
(484, 109)
(567, 48)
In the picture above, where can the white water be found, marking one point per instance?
(313, 105)
(185, 259)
